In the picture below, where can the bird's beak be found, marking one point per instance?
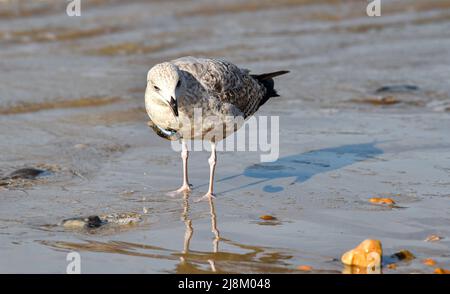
(174, 106)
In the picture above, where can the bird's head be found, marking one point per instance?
(164, 83)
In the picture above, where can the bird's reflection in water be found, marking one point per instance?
(215, 232)
(188, 222)
(239, 258)
(184, 264)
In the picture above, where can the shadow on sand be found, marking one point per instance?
(304, 166)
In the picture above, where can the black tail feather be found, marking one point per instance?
(270, 75)
(266, 80)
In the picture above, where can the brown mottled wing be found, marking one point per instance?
(226, 82)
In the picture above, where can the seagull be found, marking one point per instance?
(222, 92)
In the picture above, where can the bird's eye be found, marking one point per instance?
(156, 88)
(179, 83)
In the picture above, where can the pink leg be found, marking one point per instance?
(186, 187)
(212, 166)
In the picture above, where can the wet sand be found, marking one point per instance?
(71, 103)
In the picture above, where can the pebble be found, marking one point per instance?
(403, 255)
(382, 201)
(267, 217)
(304, 268)
(442, 271)
(397, 88)
(96, 221)
(26, 173)
(429, 262)
(433, 238)
(392, 266)
(369, 252)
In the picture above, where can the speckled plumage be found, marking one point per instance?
(219, 89)
(206, 99)
(222, 81)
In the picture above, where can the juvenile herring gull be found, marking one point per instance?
(217, 89)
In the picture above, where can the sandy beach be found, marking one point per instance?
(364, 112)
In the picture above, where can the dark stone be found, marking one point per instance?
(403, 255)
(26, 173)
(94, 222)
(397, 88)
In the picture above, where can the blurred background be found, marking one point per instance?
(337, 52)
(72, 104)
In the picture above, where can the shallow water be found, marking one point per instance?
(71, 103)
